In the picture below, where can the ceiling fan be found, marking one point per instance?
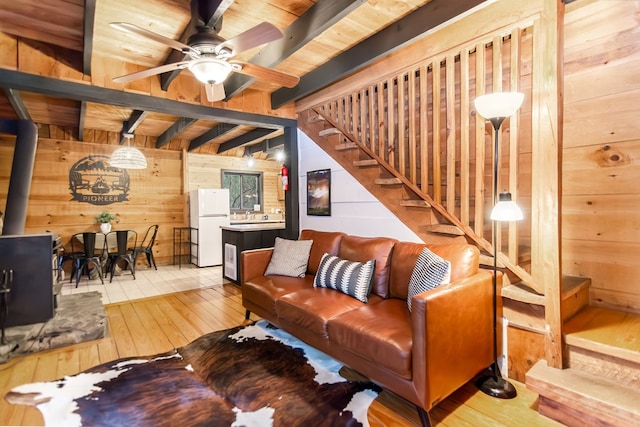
(210, 56)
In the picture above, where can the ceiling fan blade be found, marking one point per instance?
(260, 34)
(151, 72)
(215, 92)
(134, 29)
(263, 73)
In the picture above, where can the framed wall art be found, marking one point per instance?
(319, 192)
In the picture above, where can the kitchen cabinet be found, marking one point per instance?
(242, 237)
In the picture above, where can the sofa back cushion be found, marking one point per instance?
(363, 249)
(464, 261)
(323, 242)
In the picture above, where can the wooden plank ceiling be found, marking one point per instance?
(316, 33)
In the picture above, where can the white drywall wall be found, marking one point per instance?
(353, 209)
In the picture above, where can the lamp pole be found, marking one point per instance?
(494, 385)
(495, 108)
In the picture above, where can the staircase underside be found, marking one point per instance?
(414, 212)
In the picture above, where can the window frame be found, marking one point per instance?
(260, 188)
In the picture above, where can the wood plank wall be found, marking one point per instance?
(157, 194)
(205, 171)
(601, 170)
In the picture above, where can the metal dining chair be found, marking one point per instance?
(146, 246)
(84, 253)
(117, 244)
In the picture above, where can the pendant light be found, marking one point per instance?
(128, 157)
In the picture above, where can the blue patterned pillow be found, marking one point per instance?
(349, 277)
(429, 272)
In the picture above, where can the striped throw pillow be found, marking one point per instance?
(429, 272)
(349, 277)
(289, 258)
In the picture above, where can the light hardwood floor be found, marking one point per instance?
(156, 324)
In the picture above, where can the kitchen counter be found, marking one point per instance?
(255, 221)
(246, 236)
(256, 226)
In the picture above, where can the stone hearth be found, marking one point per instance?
(78, 318)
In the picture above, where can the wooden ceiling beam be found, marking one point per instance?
(17, 104)
(268, 145)
(213, 133)
(243, 139)
(87, 38)
(174, 130)
(397, 35)
(67, 89)
(217, 8)
(129, 126)
(308, 26)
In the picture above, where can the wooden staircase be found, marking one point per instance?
(601, 383)
(391, 190)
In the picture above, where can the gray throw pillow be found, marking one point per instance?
(429, 272)
(289, 258)
(349, 277)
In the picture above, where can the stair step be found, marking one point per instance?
(388, 181)
(486, 262)
(599, 328)
(329, 132)
(449, 229)
(525, 308)
(364, 163)
(345, 146)
(315, 118)
(415, 203)
(578, 398)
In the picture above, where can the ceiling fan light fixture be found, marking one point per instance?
(210, 70)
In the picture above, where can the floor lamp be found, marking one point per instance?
(496, 107)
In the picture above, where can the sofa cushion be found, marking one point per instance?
(265, 291)
(380, 333)
(429, 272)
(349, 277)
(323, 242)
(311, 309)
(363, 249)
(464, 261)
(289, 258)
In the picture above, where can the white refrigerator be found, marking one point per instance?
(209, 210)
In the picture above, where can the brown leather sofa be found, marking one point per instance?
(422, 355)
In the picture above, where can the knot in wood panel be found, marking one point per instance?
(608, 156)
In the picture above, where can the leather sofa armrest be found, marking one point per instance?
(254, 263)
(452, 336)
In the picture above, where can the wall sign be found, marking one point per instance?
(92, 180)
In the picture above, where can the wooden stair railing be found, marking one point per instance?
(398, 178)
(418, 123)
(453, 225)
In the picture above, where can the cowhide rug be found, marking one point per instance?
(246, 376)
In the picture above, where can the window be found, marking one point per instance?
(245, 190)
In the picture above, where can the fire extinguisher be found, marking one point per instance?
(285, 177)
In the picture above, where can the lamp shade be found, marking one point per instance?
(128, 158)
(210, 70)
(506, 209)
(498, 104)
